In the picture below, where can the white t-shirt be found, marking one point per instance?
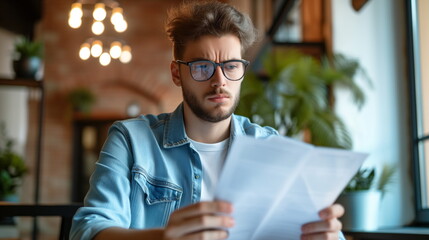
(212, 159)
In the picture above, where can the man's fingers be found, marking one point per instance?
(211, 234)
(200, 223)
(334, 211)
(331, 225)
(192, 222)
(326, 229)
(201, 208)
(321, 236)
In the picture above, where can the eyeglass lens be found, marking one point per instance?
(204, 70)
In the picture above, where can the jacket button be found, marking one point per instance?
(197, 176)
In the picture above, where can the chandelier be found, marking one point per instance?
(95, 47)
(102, 47)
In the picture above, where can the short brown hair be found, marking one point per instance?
(195, 19)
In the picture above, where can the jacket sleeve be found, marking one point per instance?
(107, 202)
(341, 236)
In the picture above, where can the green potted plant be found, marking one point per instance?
(12, 167)
(28, 58)
(362, 197)
(82, 99)
(292, 93)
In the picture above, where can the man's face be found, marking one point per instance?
(213, 100)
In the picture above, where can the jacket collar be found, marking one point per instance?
(175, 134)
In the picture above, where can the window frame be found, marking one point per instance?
(415, 98)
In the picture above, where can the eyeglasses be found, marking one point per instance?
(203, 70)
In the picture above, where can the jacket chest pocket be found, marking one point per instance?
(156, 199)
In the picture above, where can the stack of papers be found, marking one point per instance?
(278, 184)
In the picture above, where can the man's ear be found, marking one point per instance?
(175, 73)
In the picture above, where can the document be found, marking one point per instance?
(277, 184)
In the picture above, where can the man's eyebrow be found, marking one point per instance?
(199, 59)
(205, 59)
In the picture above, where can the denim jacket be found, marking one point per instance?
(147, 169)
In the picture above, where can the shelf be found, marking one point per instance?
(32, 83)
(21, 82)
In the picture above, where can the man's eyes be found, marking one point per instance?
(231, 66)
(204, 66)
(201, 66)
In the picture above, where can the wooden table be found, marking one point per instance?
(65, 211)
(400, 233)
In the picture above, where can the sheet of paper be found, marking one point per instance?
(277, 184)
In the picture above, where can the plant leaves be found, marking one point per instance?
(386, 177)
(291, 94)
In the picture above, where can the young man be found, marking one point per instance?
(156, 175)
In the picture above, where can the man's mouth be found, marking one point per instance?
(218, 97)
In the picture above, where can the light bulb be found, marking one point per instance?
(104, 59)
(126, 54)
(99, 13)
(75, 22)
(115, 49)
(97, 48)
(97, 27)
(84, 52)
(116, 15)
(76, 10)
(121, 26)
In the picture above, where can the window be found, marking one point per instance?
(418, 52)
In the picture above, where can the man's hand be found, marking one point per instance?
(203, 220)
(327, 228)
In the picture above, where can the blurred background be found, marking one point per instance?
(59, 117)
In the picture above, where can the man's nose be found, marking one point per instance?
(218, 79)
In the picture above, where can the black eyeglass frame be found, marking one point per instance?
(215, 64)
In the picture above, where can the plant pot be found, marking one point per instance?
(362, 209)
(27, 67)
(8, 198)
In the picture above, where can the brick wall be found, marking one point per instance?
(114, 86)
(146, 80)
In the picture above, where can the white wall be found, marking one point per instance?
(13, 100)
(376, 37)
